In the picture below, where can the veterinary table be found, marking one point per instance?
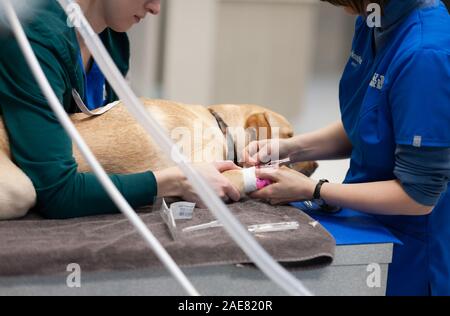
(363, 247)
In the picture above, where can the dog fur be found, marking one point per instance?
(122, 146)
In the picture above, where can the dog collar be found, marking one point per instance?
(231, 145)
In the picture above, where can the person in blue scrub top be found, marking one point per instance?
(395, 126)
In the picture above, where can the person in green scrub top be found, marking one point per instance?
(39, 144)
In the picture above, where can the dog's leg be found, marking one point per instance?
(236, 178)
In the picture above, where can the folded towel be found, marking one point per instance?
(33, 246)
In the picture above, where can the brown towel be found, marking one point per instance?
(35, 246)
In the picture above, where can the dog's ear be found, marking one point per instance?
(258, 127)
(268, 125)
(279, 125)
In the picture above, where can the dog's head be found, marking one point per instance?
(252, 122)
(257, 122)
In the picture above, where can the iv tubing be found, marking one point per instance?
(110, 188)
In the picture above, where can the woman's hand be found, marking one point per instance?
(288, 186)
(173, 183)
(263, 151)
(217, 181)
(327, 143)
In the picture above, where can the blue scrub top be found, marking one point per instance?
(395, 90)
(94, 86)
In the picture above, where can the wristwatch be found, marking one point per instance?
(324, 207)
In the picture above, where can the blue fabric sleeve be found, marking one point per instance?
(420, 99)
(424, 172)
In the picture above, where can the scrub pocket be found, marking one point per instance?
(377, 139)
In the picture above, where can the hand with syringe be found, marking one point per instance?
(270, 180)
(259, 155)
(253, 183)
(246, 180)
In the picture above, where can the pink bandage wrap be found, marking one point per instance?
(262, 183)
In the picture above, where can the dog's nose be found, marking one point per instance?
(153, 7)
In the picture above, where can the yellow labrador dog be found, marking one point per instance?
(203, 134)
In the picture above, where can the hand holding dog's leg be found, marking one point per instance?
(170, 182)
(288, 186)
(213, 173)
(173, 183)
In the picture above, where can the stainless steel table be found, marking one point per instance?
(349, 274)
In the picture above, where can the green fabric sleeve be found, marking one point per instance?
(43, 150)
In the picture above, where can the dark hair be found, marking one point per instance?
(447, 3)
(359, 6)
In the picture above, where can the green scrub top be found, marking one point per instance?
(39, 144)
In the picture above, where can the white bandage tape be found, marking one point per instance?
(249, 180)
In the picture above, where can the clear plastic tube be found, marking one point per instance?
(110, 188)
(236, 230)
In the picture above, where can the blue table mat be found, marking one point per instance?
(351, 227)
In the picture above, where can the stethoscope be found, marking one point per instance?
(83, 108)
